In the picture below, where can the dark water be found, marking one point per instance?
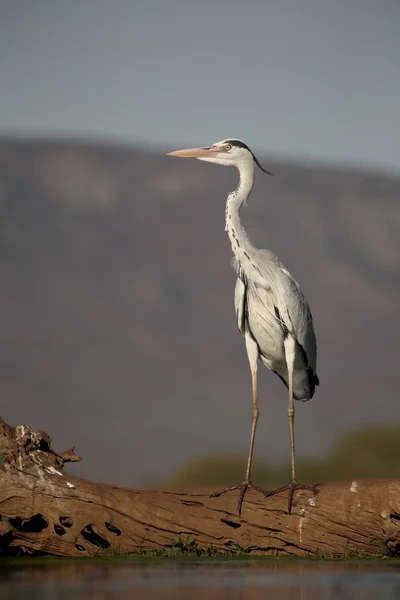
(170, 579)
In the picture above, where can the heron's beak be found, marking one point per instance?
(196, 152)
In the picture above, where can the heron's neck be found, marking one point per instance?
(241, 245)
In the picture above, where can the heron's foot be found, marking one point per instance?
(243, 487)
(292, 487)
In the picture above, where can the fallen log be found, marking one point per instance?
(44, 510)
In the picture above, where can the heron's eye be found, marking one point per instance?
(228, 147)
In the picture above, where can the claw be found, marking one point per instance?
(243, 487)
(292, 487)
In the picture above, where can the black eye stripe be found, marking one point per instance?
(238, 144)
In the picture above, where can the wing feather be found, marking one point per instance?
(290, 302)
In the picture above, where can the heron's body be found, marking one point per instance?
(269, 331)
(272, 313)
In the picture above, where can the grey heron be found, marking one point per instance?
(272, 313)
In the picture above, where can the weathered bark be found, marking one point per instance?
(44, 510)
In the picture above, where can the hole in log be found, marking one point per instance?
(395, 516)
(231, 523)
(5, 540)
(33, 525)
(59, 530)
(94, 538)
(17, 551)
(66, 521)
(112, 528)
(79, 547)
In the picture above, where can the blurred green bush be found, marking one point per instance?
(211, 470)
(372, 451)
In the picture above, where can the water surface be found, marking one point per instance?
(211, 579)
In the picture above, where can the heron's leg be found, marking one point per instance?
(254, 418)
(252, 353)
(290, 355)
(293, 485)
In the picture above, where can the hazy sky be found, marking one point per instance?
(315, 78)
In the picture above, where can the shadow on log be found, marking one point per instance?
(46, 511)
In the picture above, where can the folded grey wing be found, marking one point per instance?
(291, 304)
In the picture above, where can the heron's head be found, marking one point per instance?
(229, 152)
